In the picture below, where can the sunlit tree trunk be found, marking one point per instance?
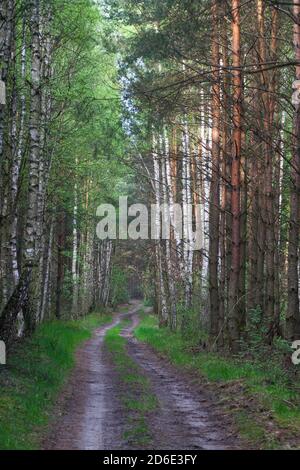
(187, 216)
(233, 305)
(162, 302)
(75, 254)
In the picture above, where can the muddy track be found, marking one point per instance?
(90, 414)
(186, 419)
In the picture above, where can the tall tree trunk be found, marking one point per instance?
(225, 165)
(274, 178)
(60, 263)
(268, 195)
(168, 202)
(293, 314)
(31, 253)
(75, 255)
(233, 304)
(7, 55)
(16, 165)
(187, 216)
(46, 288)
(162, 302)
(214, 206)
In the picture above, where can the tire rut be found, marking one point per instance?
(186, 419)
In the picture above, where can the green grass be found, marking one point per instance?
(274, 392)
(148, 303)
(135, 391)
(36, 371)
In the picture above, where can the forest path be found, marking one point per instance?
(87, 416)
(186, 418)
(91, 414)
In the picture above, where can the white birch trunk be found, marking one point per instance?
(162, 294)
(167, 190)
(18, 155)
(75, 254)
(187, 215)
(174, 221)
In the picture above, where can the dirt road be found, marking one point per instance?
(92, 415)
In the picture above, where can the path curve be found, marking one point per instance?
(91, 414)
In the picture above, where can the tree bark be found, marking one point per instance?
(214, 206)
(233, 305)
(293, 314)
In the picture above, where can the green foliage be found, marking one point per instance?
(148, 288)
(269, 357)
(35, 373)
(254, 341)
(191, 327)
(87, 101)
(148, 302)
(119, 286)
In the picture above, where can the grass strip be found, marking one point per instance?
(135, 390)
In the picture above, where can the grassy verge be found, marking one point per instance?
(264, 399)
(135, 390)
(37, 369)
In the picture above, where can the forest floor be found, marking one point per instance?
(123, 395)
